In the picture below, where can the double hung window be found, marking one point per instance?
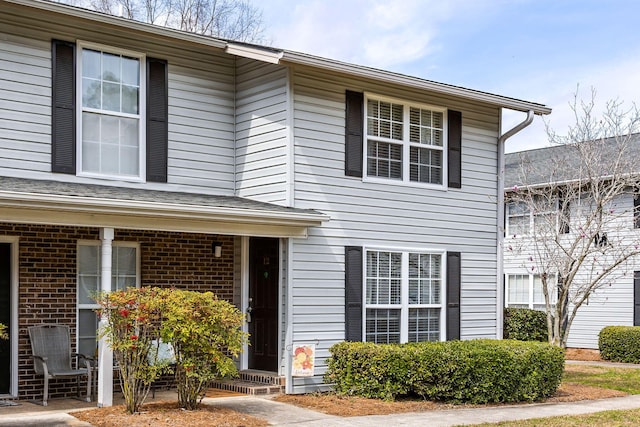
(111, 122)
(405, 142)
(526, 291)
(403, 296)
(125, 273)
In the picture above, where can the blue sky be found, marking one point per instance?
(536, 50)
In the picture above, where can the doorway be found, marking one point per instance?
(5, 317)
(264, 265)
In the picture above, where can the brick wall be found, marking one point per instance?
(47, 279)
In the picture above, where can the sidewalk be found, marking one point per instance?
(282, 414)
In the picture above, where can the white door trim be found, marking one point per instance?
(13, 332)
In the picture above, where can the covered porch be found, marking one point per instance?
(59, 242)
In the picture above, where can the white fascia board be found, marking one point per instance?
(254, 52)
(415, 82)
(134, 208)
(77, 12)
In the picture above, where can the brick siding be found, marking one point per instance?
(48, 274)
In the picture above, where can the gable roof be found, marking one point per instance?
(559, 163)
(283, 56)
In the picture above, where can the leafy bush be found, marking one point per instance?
(3, 332)
(525, 325)
(620, 344)
(203, 331)
(132, 324)
(205, 334)
(478, 371)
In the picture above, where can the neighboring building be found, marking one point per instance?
(157, 145)
(616, 303)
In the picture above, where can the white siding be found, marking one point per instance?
(201, 105)
(612, 303)
(262, 132)
(386, 215)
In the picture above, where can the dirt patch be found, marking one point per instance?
(358, 406)
(167, 414)
(582, 354)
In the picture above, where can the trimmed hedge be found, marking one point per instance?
(478, 371)
(620, 344)
(525, 324)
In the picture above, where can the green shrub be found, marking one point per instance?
(478, 371)
(525, 325)
(620, 344)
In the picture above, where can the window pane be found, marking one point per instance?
(110, 96)
(425, 126)
(383, 326)
(384, 119)
(111, 67)
(130, 99)
(91, 93)
(425, 165)
(383, 283)
(424, 278)
(130, 71)
(91, 64)
(518, 289)
(87, 332)
(384, 160)
(424, 324)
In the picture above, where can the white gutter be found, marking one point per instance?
(500, 226)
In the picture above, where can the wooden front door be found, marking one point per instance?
(263, 303)
(5, 316)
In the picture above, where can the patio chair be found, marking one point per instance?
(52, 356)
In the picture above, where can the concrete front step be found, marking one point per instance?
(253, 383)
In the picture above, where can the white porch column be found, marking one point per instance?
(105, 355)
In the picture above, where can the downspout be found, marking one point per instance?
(500, 226)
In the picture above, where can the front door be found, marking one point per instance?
(263, 303)
(5, 316)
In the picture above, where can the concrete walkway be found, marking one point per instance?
(282, 414)
(276, 413)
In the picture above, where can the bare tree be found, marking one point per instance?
(236, 20)
(567, 220)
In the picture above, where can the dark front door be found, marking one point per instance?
(5, 316)
(263, 303)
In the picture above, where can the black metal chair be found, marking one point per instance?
(51, 347)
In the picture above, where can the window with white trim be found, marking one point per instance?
(521, 220)
(405, 142)
(125, 273)
(110, 122)
(526, 291)
(403, 296)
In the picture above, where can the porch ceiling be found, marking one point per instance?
(74, 204)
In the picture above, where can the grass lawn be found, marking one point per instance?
(626, 380)
(601, 419)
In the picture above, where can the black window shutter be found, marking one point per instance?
(453, 296)
(454, 148)
(63, 107)
(157, 120)
(353, 134)
(636, 298)
(565, 213)
(353, 293)
(636, 208)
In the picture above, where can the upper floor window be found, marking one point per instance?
(403, 296)
(405, 142)
(543, 220)
(111, 122)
